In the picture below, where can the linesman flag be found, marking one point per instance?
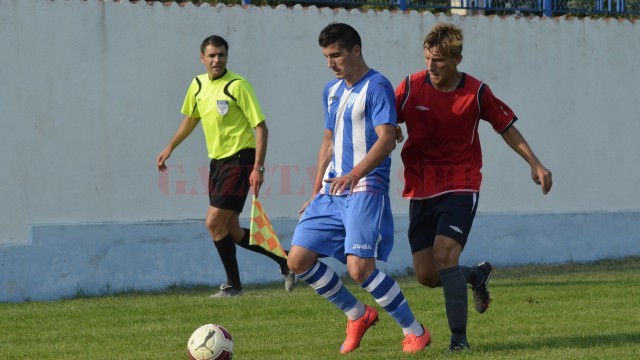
(262, 233)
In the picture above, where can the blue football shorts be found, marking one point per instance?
(360, 224)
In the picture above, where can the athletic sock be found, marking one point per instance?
(387, 293)
(260, 250)
(454, 287)
(327, 283)
(227, 251)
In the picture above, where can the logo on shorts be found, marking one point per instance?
(456, 229)
(422, 108)
(223, 107)
(362, 247)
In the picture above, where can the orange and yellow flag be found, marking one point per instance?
(262, 233)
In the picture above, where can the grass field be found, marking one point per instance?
(573, 311)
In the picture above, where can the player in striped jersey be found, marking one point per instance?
(349, 216)
(441, 108)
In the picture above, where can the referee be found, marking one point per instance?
(230, 112)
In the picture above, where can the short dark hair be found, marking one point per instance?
(214, 40)
(338, 33)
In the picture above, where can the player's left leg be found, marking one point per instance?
(364, 244)
(480, 286)
(387, 293)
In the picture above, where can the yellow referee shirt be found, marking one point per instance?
(228, 110)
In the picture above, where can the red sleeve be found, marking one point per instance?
(402, 93)
(495, 111)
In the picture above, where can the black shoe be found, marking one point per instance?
(459, 346)
(481, 295)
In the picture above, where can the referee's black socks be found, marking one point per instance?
(227, 251)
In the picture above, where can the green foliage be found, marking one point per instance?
(583, 6)
(580, 6)
(571, 311)
(633, 5)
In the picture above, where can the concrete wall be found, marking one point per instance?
(68, 260)
(91, 92)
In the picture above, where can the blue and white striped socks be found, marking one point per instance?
(387, 293)
(384, 289)
(327, 283)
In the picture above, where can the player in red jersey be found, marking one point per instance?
(442, 108)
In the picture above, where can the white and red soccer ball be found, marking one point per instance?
(210, 342)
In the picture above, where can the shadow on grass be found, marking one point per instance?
(559, 283)
(172, 289)
(560, 342)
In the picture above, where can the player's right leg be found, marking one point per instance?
(320, 232)
(455, 213)
(304, 263)
(454, 286)
(228, 190)
(425, 269)
(422, 233)
(217, 222)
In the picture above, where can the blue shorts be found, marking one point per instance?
(360, 224)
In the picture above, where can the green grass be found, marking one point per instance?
(574, 311)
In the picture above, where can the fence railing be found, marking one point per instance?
(527, 7)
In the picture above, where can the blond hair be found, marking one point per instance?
(446, 38)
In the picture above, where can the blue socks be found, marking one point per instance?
(328, 285)
(387, 293)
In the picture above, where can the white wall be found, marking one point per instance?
(91, 92)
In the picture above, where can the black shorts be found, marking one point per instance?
(450, 215)
(229, 180)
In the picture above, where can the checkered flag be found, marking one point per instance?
(262, 233)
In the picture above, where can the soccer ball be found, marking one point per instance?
(210, 342)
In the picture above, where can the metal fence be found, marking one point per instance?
(630, 8)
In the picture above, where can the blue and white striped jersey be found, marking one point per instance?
(352, 114)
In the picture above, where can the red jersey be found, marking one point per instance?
(442, 152)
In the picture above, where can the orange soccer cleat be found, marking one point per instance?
(357, 328)
(413, 343)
